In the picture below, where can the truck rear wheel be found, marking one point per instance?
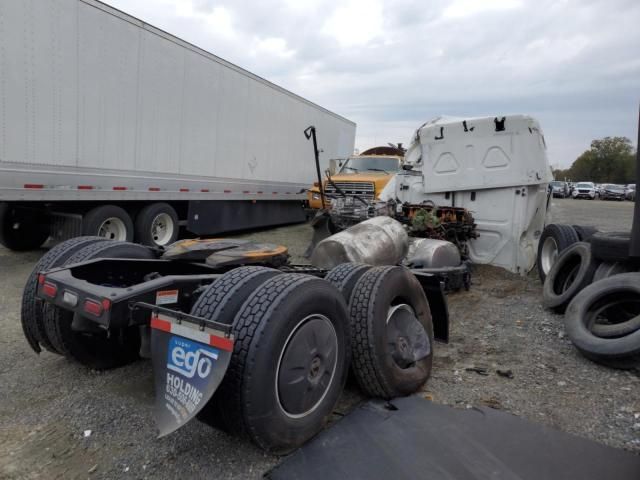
(289, 363)
(22, 229)
(157, 225)
(391, 333)
(31, 311)
(81, 340)
(344, 277)
(110, 222)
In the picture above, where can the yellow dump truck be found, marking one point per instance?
(362, 175)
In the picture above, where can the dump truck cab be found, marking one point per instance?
(363, 176)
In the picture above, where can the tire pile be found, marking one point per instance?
(592, 281)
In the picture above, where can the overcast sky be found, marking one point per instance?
(392, 65)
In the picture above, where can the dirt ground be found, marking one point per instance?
(60, 420)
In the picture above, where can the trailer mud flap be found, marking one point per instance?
(189, 362)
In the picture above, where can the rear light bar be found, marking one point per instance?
(93, 307)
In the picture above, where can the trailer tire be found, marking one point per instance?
(620, 352)
(572, 272)
(157, 225)
(96, 350)
(110, 222)
(611, 246)
(31, 316)
(19, 232)
(584, 232)
(383, 358)
(554, 240)
(344, 277)
(271, 334)
(609, 269)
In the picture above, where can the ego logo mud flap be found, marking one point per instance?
(188, 365)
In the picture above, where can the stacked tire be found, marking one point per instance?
(598, 288)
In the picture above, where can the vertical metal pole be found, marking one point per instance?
(634, 247)
(310, 132)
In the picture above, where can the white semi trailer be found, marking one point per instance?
(111, 127)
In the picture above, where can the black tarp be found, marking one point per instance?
(422, 440)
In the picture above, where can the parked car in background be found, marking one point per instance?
(630, 192)
(559, 189)
(610, 191)
(584, 190)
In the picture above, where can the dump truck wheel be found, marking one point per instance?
(584, 312)
(392, 333)
(584, 232)
(611, 246)
(554, 240)
(31, 316)
(221, 302)
(20, 230)
(157, 225)
(573, 271)
(81, 341)
(344, 277)
(289, 363)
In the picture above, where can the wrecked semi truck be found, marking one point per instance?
(494, 167)
(112, 127)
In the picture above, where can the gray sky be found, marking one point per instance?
(392, 65)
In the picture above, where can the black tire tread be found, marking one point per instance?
(345, 276)
(564, 235)
(31, 316)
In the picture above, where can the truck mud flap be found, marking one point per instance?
(189, 361)
(323, 227)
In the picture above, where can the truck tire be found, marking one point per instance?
(611, 246)
(584, 232)
(157, 225)
(573, 271)
(554, 240)
(620, 352)
(289, 321)
(344, 277)
(31, 316)
(391, 333)
(110, 222)
(95, 348)
(609, 269)
(20, 231)
(221, 302)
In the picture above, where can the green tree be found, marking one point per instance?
(609, 160)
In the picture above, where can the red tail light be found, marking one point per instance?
(106, 304)
(41, 279)
(93, 307)
(49, 289)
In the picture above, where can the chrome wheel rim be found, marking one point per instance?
(549, 254)
(162, 228)
(113, 228)
(306, 366)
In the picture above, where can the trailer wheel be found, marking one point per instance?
(572, 272)
(289, 363)
(344, 277)
(82, 340)
(157, 225)
(554, 240)
(392, 333)
(110, 222)
(31, 316)
(21, 230)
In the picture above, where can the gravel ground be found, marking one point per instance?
(48, 402)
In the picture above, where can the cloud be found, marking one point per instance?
(391, 65)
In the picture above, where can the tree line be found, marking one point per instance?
(609, 160)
